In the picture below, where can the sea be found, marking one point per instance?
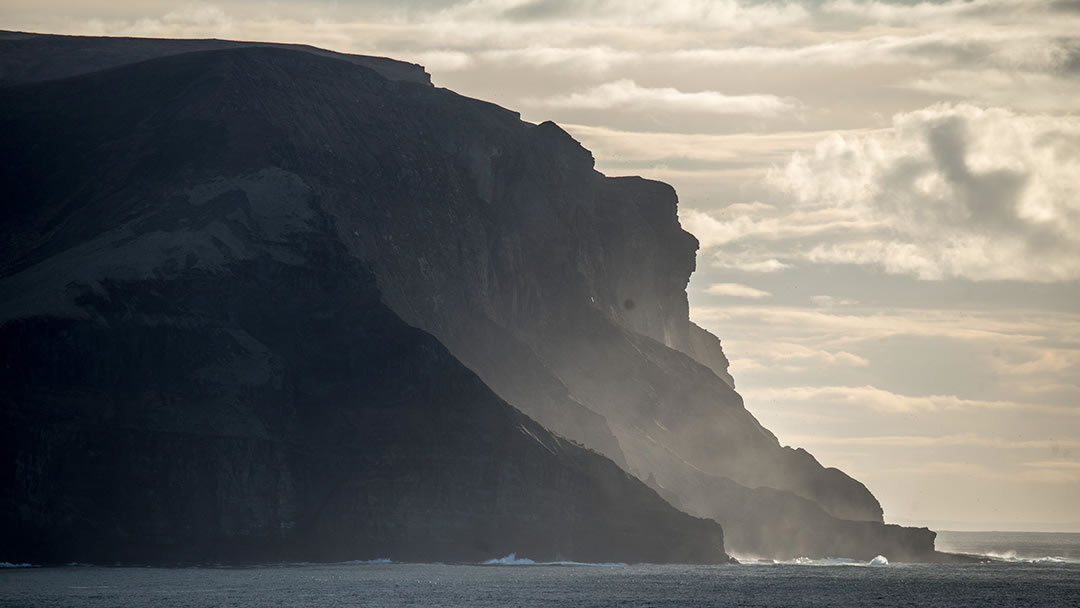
(1018, 569)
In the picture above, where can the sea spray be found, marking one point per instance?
(513, 560)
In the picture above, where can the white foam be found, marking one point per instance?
(1012, 557)
(827, 561)
(878, 561)
(510, 560)
(514, 560)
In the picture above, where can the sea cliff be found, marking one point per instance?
(214, 258)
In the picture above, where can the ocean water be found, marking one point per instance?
(1013, 546)
(516, 581)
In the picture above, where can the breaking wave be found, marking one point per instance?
(878, 561)
(11, 565)
(1012, 557)
(514, 560)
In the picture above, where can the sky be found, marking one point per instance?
(887, 197)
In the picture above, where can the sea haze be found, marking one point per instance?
(1014, 546)
(1050, 580)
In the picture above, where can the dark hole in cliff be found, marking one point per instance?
(628, 304)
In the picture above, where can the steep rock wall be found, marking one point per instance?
(194, 367)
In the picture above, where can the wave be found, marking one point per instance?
(514, 560)
(510, 560)
(11, 565)
(878, 561)
(1012, 557)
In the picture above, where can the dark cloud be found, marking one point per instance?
(1065, 6)
(538, 10)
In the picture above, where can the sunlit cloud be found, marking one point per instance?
(723, 14)
(779, 356)
(443, 60)
(983, 471)
(983, 194)
(1010, 88)
(1029, 50)
(627, 94)
(713, 229)
(745, 263)
(837, 327)
(886, 401)
(830, 301)
(736, 290)
(651, 146)
(918, 441)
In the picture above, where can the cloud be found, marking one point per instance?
(830, 301)
(1018, 89)
(1004, 361)
(724, 14)
(736, 290)
(1040, 362)
(788, 357)
(443, 60)
(836, 329)
(920, 441)
(599, 51)
(968, 192)
(1071, 465)
(942, 13)
(198, 15)
(749, 264)
(885, 401)
(994, 473)
(718, 228)
(651, 146)
(970, 47)
(628, 95)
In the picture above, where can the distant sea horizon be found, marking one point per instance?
(945, 525)
(1011, 545)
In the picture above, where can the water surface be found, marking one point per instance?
(1037, 570)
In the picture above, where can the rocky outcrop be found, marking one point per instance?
(707, 350)
(564, 290)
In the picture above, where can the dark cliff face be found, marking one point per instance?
(562, 289)
(194, 367)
